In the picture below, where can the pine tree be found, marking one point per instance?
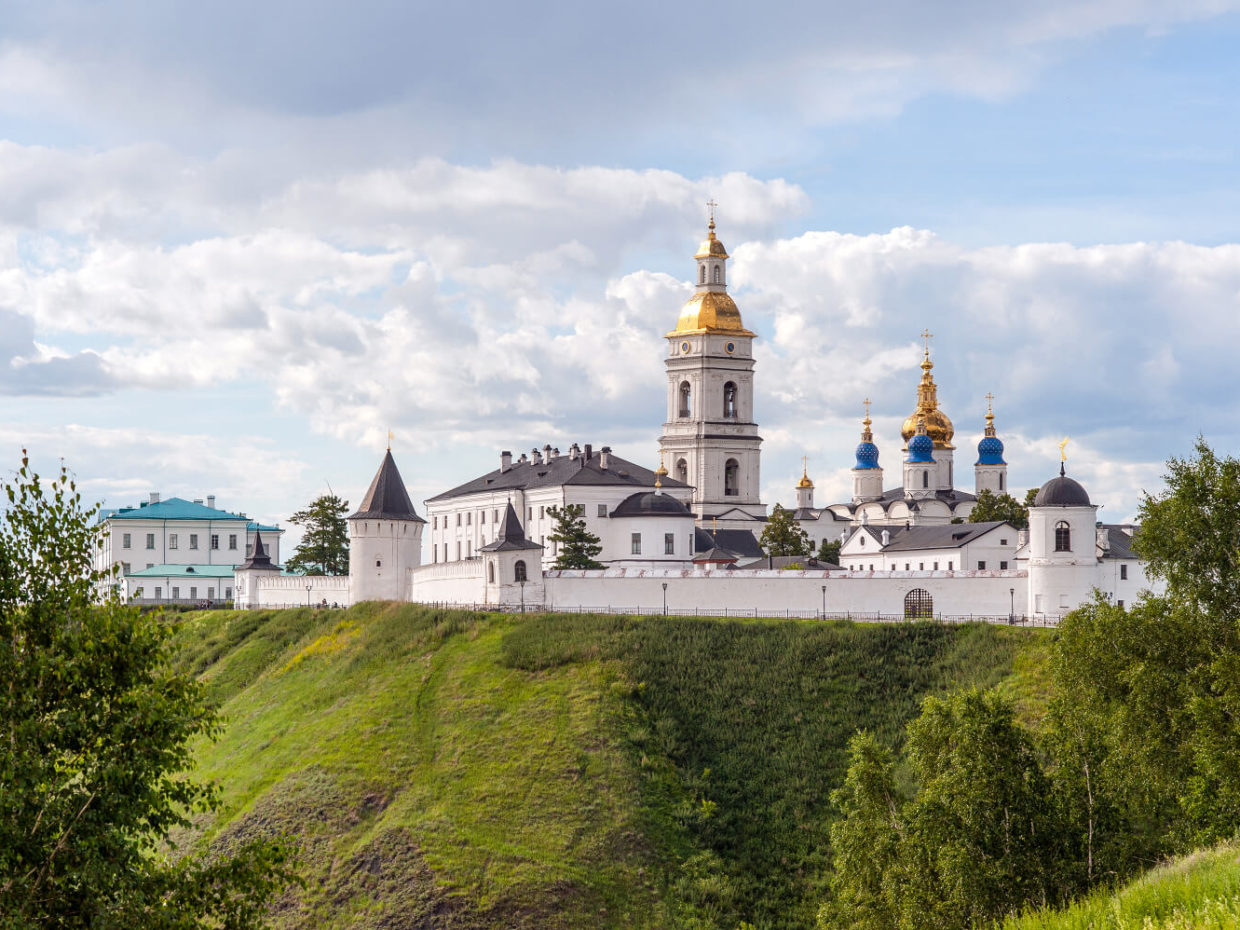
(577, 545)
(324, 547)
(783, 535)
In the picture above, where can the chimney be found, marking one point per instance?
(574, 451)
(535, 458)
(154, 497)
(589, 451)
(1104, 539)
(886, 538)
(197, 500)
(505, 461)
(522, 460)
(555, 453)
(547, 454)
(604, 457)
(211, 501)
(1022, 537)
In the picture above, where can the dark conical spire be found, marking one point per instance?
(259, 559)
(511, 534)
(387, 498)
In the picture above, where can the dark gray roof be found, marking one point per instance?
(1061, 492)
(715, 554)
(893, 495)
(650, 504)
(741, 542)
(259, 559)
(942, 536)
(815, 513)
(387, 498)
(559, 471)
(1119, 543)
(511, 535)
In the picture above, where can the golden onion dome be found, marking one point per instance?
(710, 312)
(938, 426)
(711, 247)
(805, 482)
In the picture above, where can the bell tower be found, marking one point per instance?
(710, 439)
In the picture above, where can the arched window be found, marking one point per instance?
(918, 605)
(729, 399)
(701, 274)
(491, 572)
(717, 276)
(1063, 537)
(682, 471)
(731, 478)
(925, 478)
(518, 571)
(686, 399)
(1000, 481)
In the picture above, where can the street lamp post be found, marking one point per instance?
(824, 602)
(665, 598)
(308, 595)
(1011, 606)
(522, 595)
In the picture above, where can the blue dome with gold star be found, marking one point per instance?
(867, 455)
(921, 449)
(990, 451)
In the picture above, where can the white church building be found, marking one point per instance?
(684, 537)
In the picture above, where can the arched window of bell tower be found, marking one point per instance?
(686, 399)
(717, 275)
(518, 571)
(731, 478)
(729, 399)
(701, 274)
(925, 479)
(682, 471)
(1063, 537)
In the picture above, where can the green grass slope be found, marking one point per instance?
(1198, 892)
(448, 769)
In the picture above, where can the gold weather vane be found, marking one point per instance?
(390, 437)
(1063, 456)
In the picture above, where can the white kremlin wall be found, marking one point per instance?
(291, 590)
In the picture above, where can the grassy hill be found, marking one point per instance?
(468, 770)
(1198, 892)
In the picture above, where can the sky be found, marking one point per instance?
(240, 242)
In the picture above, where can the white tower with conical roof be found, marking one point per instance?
(385, 539)
(710, 439)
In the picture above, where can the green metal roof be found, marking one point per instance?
(184, 571)
(174, 508)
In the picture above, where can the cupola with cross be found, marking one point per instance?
(710, 439)
(990, 470)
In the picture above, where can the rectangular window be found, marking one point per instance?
(1039, 605)
(458, 519)
(172, 540)
(541, 514)
(981, 566)
(949, 566)
(193, 540)
(469, 518)
(1003, 542)
(215, 541)
(159, 592)
(193, 593)
(636, 544)
(125, 568)
(906, 566)
(921, 566)
(458, 548)
(1003, 566)
(1123, 573)
(1063, 602)
(232, 541)
(669, 543)
(482, 517)
(435, 522)
(125, 540)
(494, 516)
(1119, 604)
(150, 564)
(936, 566)
(467, 548)
(434, 553)
(176, 593)
(150, 540)
(228, 594)
(529, 513)
(602, 512)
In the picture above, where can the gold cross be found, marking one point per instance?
(867, 403)
(804, 464)
(989, 398)
(927, 335)
(711, 204)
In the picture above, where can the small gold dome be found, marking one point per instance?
(711, 247)
(710, 312)
(938, 426)
(805, 482)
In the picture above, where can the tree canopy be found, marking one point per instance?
(324, 547)
(577, 545)
(782, 535)
(992, 506)
(95, 744)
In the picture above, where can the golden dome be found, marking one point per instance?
(805, 482)
(710, 312)
(711, 247)
(938, 426)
